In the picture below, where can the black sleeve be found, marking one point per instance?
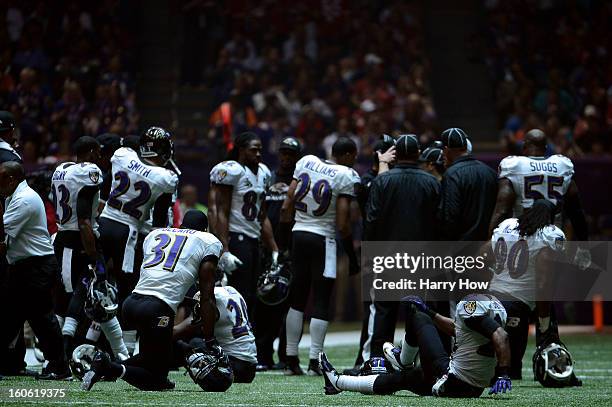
(373, 210)
(450, 211)
(160, 210)
(6, 155)
(573, 210)
(85, 201)
(482, 324)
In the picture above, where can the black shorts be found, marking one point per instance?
(72, 259)
(154, 320)
(244, 372)
(244, 278)
(450, 385)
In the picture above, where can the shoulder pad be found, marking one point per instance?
(226, 173)
(552, 237)
(475, 305)
(508, 165)
(89, 173)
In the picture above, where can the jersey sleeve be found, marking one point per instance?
(553, 237)
(299, 166)
(471, 307)
(226, 173)
(348, 183)
(566, 166)
(506, 224)
(88, 174)
(507, 166)
(267, 176)
(169, 181)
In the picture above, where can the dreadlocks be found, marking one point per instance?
(540, 214)
(241, 141)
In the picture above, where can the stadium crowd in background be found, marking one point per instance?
(65, 72)
(314, 73)
(551, 65)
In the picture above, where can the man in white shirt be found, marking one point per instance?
(33, 269)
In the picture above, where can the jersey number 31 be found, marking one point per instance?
(167, 251)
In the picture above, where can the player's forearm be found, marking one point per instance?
(267, 235)
(208, 305)
(444, 324)
(222, 231)
(88, 239)
(501, 343)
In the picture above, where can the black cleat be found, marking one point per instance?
(100, 367)
(293, 367)
(278, 366)
(313, 368)
(261, 368)
(50, 375)
(330, 375)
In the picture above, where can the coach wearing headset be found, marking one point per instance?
(401, 207)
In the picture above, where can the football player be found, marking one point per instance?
(76, 190)
(481, 343)
(319, 198)
(270, 319)
(232, 331)
(525, 249)
(524, 179)
(174, 260)
(141, 186)
(240, 186)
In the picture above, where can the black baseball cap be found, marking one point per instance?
(290, 143)
(454, 138)
(109, 142)
(407, 144)
(7, 121)
(432, 155)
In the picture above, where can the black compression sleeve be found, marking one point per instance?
(85, 201)
(160, 210)
(482, 324)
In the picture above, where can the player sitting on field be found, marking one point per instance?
(481, 342)
(232, 331)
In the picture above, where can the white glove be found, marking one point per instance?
(228, 263)
(274, 258)
(582, 259)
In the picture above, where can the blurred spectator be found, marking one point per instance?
(551, 62)
(188, 199)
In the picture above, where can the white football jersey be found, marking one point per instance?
(171, 262)
(233, 330)
(474, 360)
(515, 258)
(320, 182)
(536, 178)
(67, 181)
(136, 186)
(248, 194)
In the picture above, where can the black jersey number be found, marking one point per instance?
(63, 203)
(321, 193)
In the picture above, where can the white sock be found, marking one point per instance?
(60, 320)
(362, 384)
(408, 353)
(112, 331)
(93, 333)
(544, 323)
(318, 330)
(70, 326)
(129, 337)
(293, 326)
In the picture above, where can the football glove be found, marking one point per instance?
(582, 259)
(228, 263)
(418, 303)
(502, 385)
(99, 269)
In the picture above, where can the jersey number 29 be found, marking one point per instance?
(321, 193)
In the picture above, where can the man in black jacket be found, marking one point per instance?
(469, 190)
(401, 206)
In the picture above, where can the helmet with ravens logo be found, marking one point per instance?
(273, 285)
(553, 366)
(156, 142)
(210, 369)
(101, 302)
(374, 366)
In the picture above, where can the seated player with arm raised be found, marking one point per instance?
(481, 344)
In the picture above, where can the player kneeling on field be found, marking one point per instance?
(232, 331)
(174, 259)
(480, 342)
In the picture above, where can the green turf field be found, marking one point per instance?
(592, 352)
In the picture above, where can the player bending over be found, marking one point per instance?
(481, 342)
(174, 259)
